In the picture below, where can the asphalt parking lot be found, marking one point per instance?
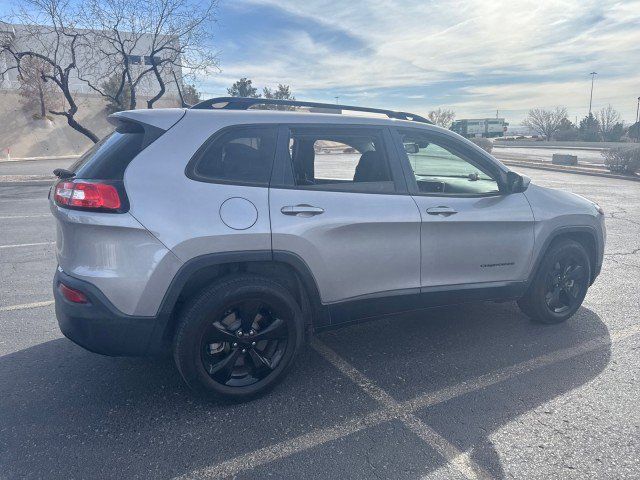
(475, 391)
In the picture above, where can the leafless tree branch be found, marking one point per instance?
(48, 34)
(546, 122)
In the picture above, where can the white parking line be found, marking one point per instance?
(321, 436)
(24, 306)
(27, 245)
(10, 217)
(461, 461)
(248, 461)
(355, 375)
(446, 449)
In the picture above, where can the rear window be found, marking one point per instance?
(109, 158)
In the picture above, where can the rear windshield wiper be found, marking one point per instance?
(63, 173)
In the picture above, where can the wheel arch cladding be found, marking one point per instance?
(585, 236)
(285, 267)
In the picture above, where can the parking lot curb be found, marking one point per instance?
(25, 180)
(554, 168)
(36, 159)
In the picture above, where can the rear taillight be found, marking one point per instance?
(87, 195)
(71, 294)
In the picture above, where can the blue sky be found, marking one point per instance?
(474, 56)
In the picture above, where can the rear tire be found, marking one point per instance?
(238, 338)
(560, 284)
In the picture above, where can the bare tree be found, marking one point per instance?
(36, 92)
(48, 36)
(545, 122)
(442, 117)
(150, 44)
(188, 93)
(610, 121)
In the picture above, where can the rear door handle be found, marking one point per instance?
(302, 210)
(441, 210)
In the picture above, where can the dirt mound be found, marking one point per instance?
(29, 137)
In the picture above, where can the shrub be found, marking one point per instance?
(623, 159)
(566, 135)
(111, 86)
(483, 143)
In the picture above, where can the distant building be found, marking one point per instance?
(480, 127)
(22, 38)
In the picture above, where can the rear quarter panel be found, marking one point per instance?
(184, 214)
(115, 253)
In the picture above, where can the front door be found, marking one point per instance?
(345, 211)
(472, 233)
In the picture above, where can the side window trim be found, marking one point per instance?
(282, 173)
(447, 142)
(190, 169)
(283, 176)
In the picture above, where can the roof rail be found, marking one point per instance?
(244, 103)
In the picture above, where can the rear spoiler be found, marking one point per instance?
(153, 123)
(163, 118)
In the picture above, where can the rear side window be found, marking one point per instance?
(240, 155)
(334, 158)
(109, 158)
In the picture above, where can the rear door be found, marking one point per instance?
(338, 200)
(472, 231)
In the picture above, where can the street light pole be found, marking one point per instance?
(638, 121)
(593, 76)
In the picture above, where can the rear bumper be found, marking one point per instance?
(100, 327)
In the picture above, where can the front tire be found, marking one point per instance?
(560, 284)
(238, 338)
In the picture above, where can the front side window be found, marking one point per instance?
(438, 170)
(241, 155)
(330, 159)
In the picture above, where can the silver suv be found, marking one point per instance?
(227, 233)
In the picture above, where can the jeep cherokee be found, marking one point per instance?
(226, 234)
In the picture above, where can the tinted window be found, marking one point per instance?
(333, 160)
(438, 169)
(242, 155)
(108, 159)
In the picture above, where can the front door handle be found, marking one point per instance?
(441, 210)
(302, 210)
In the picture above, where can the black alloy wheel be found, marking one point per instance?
(565, 282)
(560, 284)
(245, 344)
(238, 337)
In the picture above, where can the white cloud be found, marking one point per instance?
(421, 44)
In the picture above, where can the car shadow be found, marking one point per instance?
(439, 348)
(70, 413)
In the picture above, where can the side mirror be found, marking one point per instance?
(517, 183)
(411, 148)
